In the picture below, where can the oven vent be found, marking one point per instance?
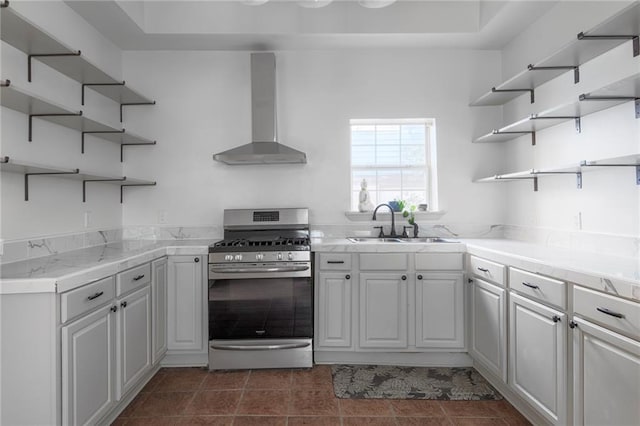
(266, 216)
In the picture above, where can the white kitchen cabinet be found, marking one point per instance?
(538, 356)
(383, 310)
(334, 309)
(187, 299)
(439, 305)
(159, 271)
(489, 326)
(606, 376)
(133, 339)
(88, 367)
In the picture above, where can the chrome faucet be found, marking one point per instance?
(393, 221)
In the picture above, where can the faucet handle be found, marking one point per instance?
(404, 231)
(381, 234)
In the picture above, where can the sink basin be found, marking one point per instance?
(400, 240)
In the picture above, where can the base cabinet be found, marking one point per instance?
(538, 356)
(606, 376)
(88, 367)
(334, 309)
(187, 301)
(383, 310)
(488, 326)
(439, 310)
(133, 338)
(159, 271)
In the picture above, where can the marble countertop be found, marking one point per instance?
(612, 274)
(65, 271)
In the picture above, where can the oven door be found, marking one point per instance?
(260, 319)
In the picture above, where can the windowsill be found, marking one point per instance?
(366, 216)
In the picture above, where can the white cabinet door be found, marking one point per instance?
(159, 308)
(537, 356)
(334, 309)
(186, 295)
(489, 327)
(606, 376)
(88, 363)
(439, 311)
(134, 338)
(383, 310)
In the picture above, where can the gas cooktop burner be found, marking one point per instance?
(242, 244)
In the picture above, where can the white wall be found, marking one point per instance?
(610, 200)
(203, 107)
(55, 204)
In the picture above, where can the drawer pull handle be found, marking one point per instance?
(335, 261)
(404, 277)
(419, 277)
(196, 259)
(608, 312)
(114, 309)
(95, 296)
(347, 277)
(533, 286)
(138, 278)
(555, 318)
(124, 304)
(483, 269)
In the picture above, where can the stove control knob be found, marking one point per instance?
(290, 256)
(238, 257)
(279, 256)
(259, 256)
(228, 257)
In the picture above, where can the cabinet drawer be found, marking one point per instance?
(384, 262)
(86, 298)
(439, 262)
(487, 269)
(619, 314)
(538, 287)
(133, 278)
(335, 261)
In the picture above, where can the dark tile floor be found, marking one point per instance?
(194, 396)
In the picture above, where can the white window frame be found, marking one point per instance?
(430, 165)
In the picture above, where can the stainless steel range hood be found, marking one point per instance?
(265, 148)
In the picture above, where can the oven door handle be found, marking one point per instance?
(260, 347)
(260, 270)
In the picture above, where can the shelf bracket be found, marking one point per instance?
(578, 176)
(78, 114)
(133, 104)
(532, 133)
(133, 184)
(97, 84)
(531, 94)
(533, 178)
(5, 3)
(26, 179)
(132, 144)
(636, 166)
(39, 55)
(576, 70)
(637, 103)
(84, 185)
(576, 119)
(588, 97)
(634, 38)
(97, 132)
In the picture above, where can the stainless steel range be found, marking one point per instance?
(261, 291)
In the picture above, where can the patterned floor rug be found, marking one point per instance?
(390, 382)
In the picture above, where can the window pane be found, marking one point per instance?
(362, 155)
(413, 134)
(388, 156)
(414, 197)
(389, 179)
(388, 134)
(363, 135)
(413, 155)
(386, 196)
(358, 175)
(414, 179)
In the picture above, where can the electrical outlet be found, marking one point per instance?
(162, 216)
(87, 219)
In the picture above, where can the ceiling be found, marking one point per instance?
(286, 25)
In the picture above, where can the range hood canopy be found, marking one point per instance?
(264, 149)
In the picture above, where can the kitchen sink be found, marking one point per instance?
(400, 240)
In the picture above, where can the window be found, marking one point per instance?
(396, 158)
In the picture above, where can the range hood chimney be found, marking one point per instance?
(264, 148)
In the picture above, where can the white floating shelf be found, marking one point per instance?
(617, 30)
